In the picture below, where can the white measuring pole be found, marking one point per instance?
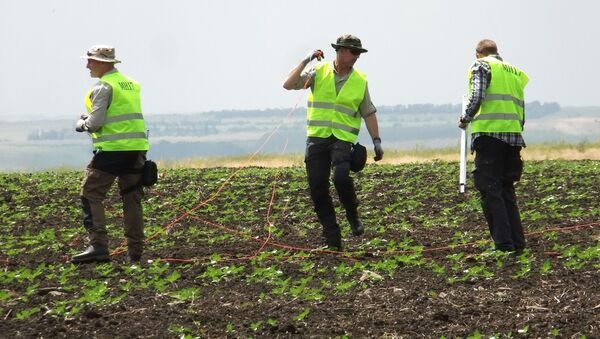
(462, 178)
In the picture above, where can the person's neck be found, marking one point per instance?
(489, 55)
(340, 68)
(106, 70)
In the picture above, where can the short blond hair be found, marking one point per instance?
(486, 47)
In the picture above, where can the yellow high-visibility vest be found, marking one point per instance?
(503, 108)
(339, 114)
(124, 128)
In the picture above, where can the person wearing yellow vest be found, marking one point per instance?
(338, 102)
(496, 112)
(116, 126)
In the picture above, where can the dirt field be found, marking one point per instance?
(233, 253)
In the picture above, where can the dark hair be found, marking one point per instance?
(486, 47)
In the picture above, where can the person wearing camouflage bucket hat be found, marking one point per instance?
(116, 126)
(349, 41)
(102, 53)
(338, 102)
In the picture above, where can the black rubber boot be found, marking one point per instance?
(91, 254)
(133, 259)
(355, 224)
(332, 244)
(332, 237)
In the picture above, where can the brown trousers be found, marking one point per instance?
(94, 189)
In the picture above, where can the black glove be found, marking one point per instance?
(378, 149)
(80, 126)
(316, 54)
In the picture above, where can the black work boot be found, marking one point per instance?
(332, 238)
(91, 254)
(332, 244)
(355, 224)
(133, 259)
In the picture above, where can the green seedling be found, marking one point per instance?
(186, 294)
(302, 315)
(26, 314)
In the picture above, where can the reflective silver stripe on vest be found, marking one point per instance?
(329, 105)
(504, 97)
(497, 116)
(333, 125)
(123, 117)
(120, 136)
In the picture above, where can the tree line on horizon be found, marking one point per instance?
(533, 107)
(207, 123)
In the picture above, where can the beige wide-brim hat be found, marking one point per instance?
(349, 41)
(103, 53)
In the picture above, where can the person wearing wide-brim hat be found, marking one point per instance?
(102, 53)
(350, 42)
(116, 126)
(338, 103)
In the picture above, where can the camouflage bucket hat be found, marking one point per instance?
(102, 53)
(349, 41)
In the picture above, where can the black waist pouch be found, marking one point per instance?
(149, 173)
(359, 157)
(149, 177)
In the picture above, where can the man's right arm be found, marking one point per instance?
(298, 80)
(101, 98)
(480, 79)
(294, 77)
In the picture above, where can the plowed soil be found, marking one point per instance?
(229, 263)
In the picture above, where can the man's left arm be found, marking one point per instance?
(368, 112)
(373, 128)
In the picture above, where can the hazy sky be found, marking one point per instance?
(196, 56)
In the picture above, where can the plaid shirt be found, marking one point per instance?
(480, 81)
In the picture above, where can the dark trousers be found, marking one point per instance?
(323, 154)
(497, 166)
(100, 175)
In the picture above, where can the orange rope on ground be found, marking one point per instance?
(270, 224)
(431, 249)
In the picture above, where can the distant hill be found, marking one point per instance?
(35, 145)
